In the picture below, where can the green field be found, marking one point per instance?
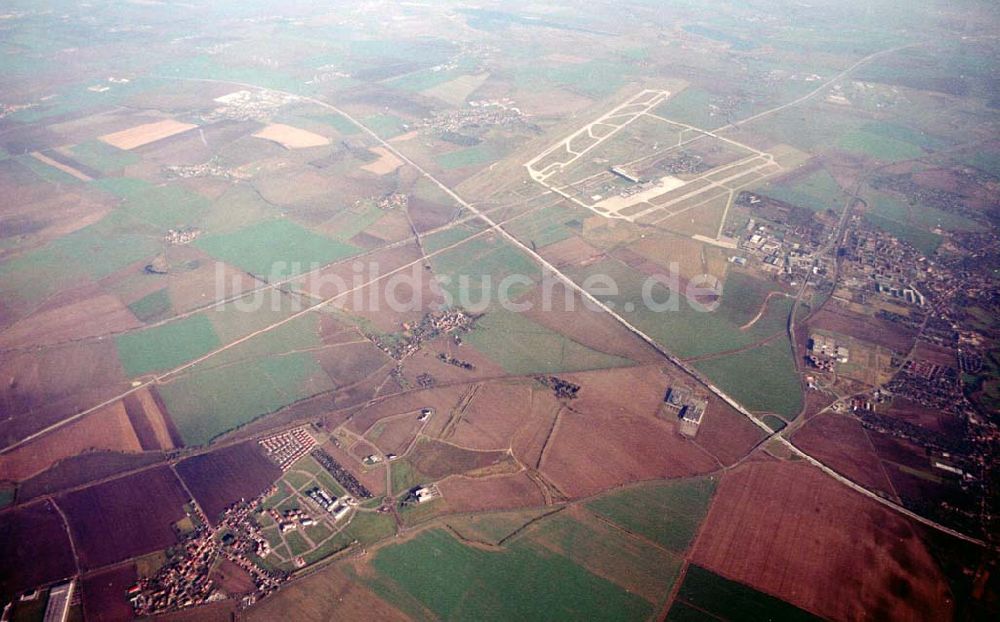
(457, 582)
(482, 264)
(404, 476)
(688, 331)
(473, 156)
(817, 191)
(924, 241)
(878, 146)
(690, 106)
(595, 78)
(493, 527)
(385, 125)
(103, 157)
(151, 307)
(761, 379)
(366, 528)
(45, 171)
(521, 347)
(609, 552)
(774, 422)
(209, 401)
(275, 248)
(668, 513)
(167, 346)
(728, 600)
(543, 227)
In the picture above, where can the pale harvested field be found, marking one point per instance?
(69, 170)
(107, 429)
(146, 133)
(386, 163)
(291, 137)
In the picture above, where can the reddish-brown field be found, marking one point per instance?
(725, 433)
(842, 444)
(530, 440)
(221, 478)
(935, 354)
(789, 530)
(232, 579)
(498, 410)
(441, 399)
(104, 594)
(124, 517)
(107, 429)
(437, 459)
(75, 320)
(330, 594)
(504, 492)
(572, 251)
(43, 387)
(350, 363)
(34, 549)
(152, 425)
(604, 441)
(79, 470)
(394, 435)
(928, 418)
(886, 334)
(221, 611)
(427, 215)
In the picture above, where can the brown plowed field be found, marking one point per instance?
(109, 428)
(928, 418)
(232, 579)
(886, 334)
(427, 215)
(572, 251)
(437, 460)
(43, 387)
(530, 441)
(605, 441)
(149, 420)
(841, 443)
(789, 530)
(221, 478)
(104, 595)
(348, 364)
(495, 414)
(725, 433)
(77, 320)
(491, 493)
(441, 399)
(394, 435)
(125, 517)
(34, 549)
(426, 361)
(330, 594)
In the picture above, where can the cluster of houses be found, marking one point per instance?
(285, 448)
